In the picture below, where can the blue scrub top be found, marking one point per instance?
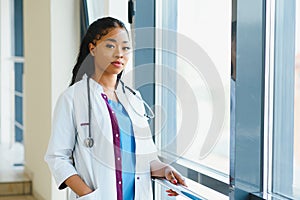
(127, 149)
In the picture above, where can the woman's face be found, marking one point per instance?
(111, 52)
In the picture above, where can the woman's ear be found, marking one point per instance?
(92, 48)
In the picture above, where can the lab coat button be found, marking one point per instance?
(138, 178)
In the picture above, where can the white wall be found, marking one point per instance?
(37, 92)
(51, 42)
(65, 41)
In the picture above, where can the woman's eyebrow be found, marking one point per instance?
(113, 40)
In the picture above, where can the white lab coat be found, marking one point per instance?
(96, 165)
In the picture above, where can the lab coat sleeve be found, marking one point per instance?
(62, 140)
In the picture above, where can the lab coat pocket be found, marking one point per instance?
(95, 195)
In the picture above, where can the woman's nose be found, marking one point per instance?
(119, 56)
(119, 53)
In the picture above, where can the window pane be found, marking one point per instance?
(296, 182)
(19, 77)
(18, 26)
(286, 101)
(196, 85)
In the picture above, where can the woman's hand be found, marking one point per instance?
(174, 177)
(78, 185)
(160, 169)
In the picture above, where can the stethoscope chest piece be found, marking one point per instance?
(89, 142)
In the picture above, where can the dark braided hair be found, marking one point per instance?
(85, 62)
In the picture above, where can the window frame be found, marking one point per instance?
(259, 54)
(250, 47)
(257, 32)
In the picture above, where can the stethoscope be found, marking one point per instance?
(89, 141)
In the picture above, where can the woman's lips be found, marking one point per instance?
(117, 64)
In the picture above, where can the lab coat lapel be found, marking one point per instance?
(124, 100)
(101, 126)
(133, 105)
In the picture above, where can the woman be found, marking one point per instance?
(107, 153)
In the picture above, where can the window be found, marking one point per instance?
(193, 45)
(12, 71)
(296, 182)
(192, 37)
(19, 62)
(286, 163)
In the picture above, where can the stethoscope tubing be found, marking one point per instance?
(151, 116)
(89, 142)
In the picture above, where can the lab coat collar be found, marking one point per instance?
(98, 87)
(93, 84)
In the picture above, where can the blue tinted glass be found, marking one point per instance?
(19, 77)
(19, 109)
(18, 9)
(284, 179)
(19, 134)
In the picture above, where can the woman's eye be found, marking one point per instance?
(126, 48)
(110, 46)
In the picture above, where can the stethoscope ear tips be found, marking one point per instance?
(89, 142)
